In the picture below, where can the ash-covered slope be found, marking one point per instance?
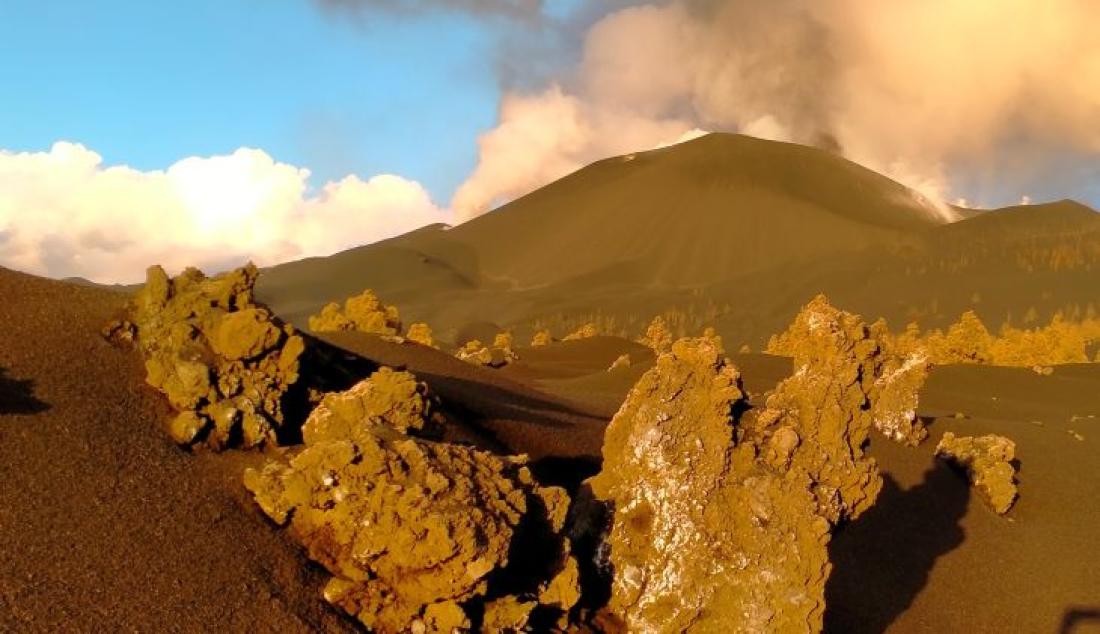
(690, 214)
(730, 230)
(104, 524)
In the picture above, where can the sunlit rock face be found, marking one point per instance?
(497, 355)
(657, 335)
(363, 313)
(542, 338)
(898, 386)
(222, 361)
(415, 533)
(586, 331)
(721, 516)
(890, 370)
(987, 461)
(421, 333)
(706, 535)
(388, 398)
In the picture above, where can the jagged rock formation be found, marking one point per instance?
(896, 371)
(417, 533)
(988, 464)
(586, 331)
(1057, 343)
(967, 341)
(476, 353)
(720, 518)
(498, 355)
(830, 403)
(504, 343)
(895, 410)
(542, 338)
(623, 361)
(364, 313)
(657, 335)
(421, 333)
(222, 361)
(507, 614)
(388, 398)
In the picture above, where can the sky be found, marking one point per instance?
(214, 132)
(148, 83)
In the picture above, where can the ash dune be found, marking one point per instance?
(728, 230)
(104, 524)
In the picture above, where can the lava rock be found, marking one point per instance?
(987, 461)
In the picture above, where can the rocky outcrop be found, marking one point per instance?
(498, 355)
(476, 353)
(222, 361)
(721, 516)
(706, 535)
(362, 313)
(898, 385)
(829, 404)
(586, 331)
(418, 535)
(896, 372)
(388, 398)
(504, 347)
(622, 361)
(421, 333)
(542, 338)
(657, 335)
(966, 341)
(987, 461)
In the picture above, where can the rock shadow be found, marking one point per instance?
(882, 560)
(17, 396)
(1079, 616)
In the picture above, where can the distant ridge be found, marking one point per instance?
(735, 230)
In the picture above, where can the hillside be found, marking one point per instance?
(726, 230)
(105, 525)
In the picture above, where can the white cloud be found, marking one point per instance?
(64, 213)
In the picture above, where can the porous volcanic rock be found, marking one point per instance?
(721, 517)
(421, 333)
(988, 464)
(542, 338)
(500, 354)
(657, 335)
(223, 362)
(829, 403)
(389, 398)
(504, 347)
(418, 535)
(475, 352)
(587, 331)
(705, 535)
(898, 385)
(966, 341)
(896, 372)
(363, 313)
(622, 361)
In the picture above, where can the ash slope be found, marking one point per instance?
(729, 230)
(106, 525)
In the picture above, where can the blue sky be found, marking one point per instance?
(148, 83)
